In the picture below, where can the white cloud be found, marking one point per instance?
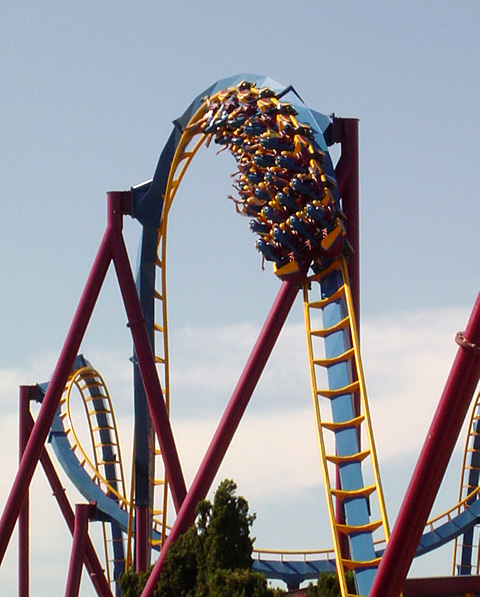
(270, 455)
(407, 358)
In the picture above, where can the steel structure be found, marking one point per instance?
(304, 210)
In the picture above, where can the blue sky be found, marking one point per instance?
(88, 94)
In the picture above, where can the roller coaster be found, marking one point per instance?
(303, 209)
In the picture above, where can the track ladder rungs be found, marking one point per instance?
(106, 462)
(103, 428)
(104, 411)
(343, 454)
(89, 385)
(358, 457)
(355, 564)
(96, 397)
(341, 325)
(338, 294)
(343, 494)
(350, 389)
(344, 356)
(335, 266)
(335, 426)
(371, 527)
(155, 541)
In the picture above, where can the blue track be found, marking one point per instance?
(291, 572)
(147, 209)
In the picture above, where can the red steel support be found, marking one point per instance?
(148, 371)
(111, 247)
(442, 586)
(347, 174)
(52, 397)
(432, 463)
(345, 132)
(77, 557)
(92, 562)
(25, 395)
(229, 422)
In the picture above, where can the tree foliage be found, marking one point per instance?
(328, 585)
(224, 528)
(213, 558)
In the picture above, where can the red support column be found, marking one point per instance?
(25, 395)
(94, 567)
(229, 422)
(77, 557)
(52, 397)
(148, 371)
(432, 463)
(93, 564)
(112, 246)
(347, 174)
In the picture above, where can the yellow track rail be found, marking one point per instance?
(105, 444)
(328, 426)
(104, 455)
(185, 152)
(180, 163)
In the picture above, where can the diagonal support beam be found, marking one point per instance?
(148, 371)
(229, 422)
(432, 463)
(112, 247)
(38, 437)
(83, 513)
(92, 562)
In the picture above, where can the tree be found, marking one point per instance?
(213, 558)
(181, 568)
(329, 586)
(239, 583)
(179, 573)
(224, 528)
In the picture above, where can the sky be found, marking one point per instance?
(88, 94)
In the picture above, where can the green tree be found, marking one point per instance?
(131, 583)
(213, 558)
(238, 583)
(224, 528)
(329, 586)
(181, 567)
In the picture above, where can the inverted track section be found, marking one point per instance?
(97, 472)
(345, 435)
(105, 466)
(285, 183)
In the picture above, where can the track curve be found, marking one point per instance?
(213, 114)
(286, 184)
(97, 473)
(276, 564)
